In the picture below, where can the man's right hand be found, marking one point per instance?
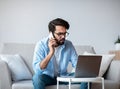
(52, 44)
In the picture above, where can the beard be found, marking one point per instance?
(61, 42)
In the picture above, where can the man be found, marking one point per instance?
(52, 55)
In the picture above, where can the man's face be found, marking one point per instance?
(60, 34)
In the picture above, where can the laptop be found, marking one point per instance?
(88, 66)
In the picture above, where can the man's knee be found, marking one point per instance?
(38, 82)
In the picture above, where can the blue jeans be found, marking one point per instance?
(41, 81)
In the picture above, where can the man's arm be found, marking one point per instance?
(45, 61)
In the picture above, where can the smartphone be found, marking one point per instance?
(52, 36)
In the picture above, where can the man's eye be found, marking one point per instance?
(60, 33)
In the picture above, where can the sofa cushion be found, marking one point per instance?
(27, 84)
(25, 50)
(18, 68)
(106, 60)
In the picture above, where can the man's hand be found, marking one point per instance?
(52, 44)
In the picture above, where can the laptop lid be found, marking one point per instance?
(88, 66)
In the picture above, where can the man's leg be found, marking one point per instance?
(40, 81)
(84, 85)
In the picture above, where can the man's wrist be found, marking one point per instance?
(51, 53)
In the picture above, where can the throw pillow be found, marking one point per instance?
(106, 60)
(18, 68)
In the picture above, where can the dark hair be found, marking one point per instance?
(58, 22)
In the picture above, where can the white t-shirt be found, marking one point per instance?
(56, 61)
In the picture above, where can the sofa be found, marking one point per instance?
(112, 75)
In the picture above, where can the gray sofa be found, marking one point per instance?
(112, 76)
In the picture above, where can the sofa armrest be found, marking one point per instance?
(114, 71)
(5, 78)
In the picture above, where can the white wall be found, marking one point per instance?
(93, 22)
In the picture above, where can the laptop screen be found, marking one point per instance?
(88, 66)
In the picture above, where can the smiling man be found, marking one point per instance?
(53, 54)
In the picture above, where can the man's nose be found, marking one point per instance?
(63, 36)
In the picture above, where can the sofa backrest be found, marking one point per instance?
(82, 48)
(27, 50)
